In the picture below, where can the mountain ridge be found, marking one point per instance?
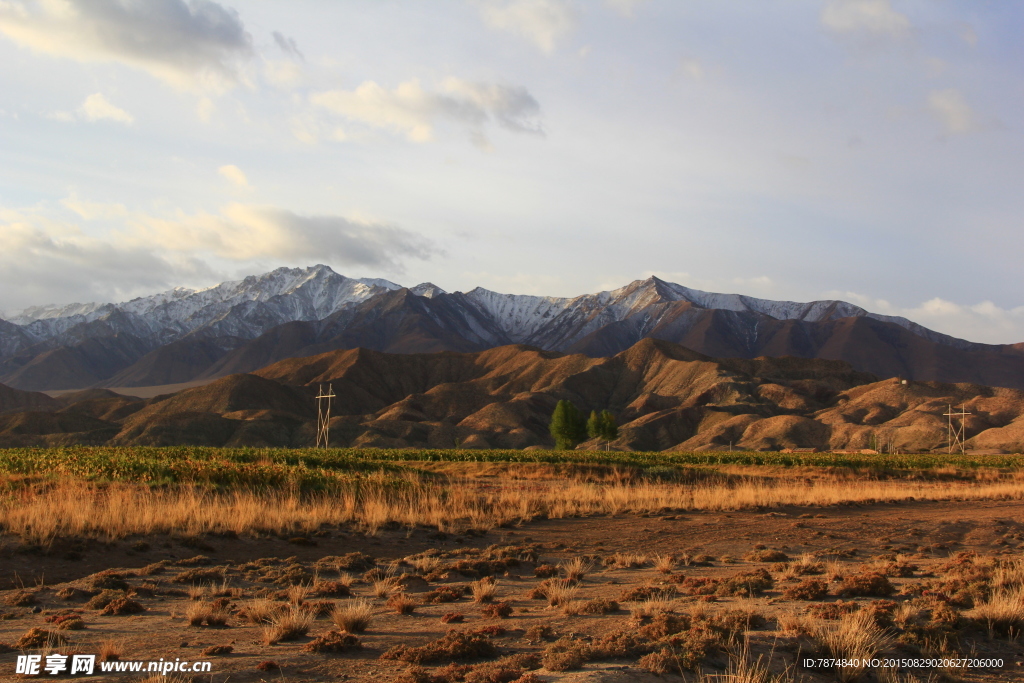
(181, 335)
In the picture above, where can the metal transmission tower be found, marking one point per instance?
(323, 415)
(955, 433)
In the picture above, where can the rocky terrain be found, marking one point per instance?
(183, 335)
(663, 395)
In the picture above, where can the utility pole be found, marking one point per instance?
(955, 433)
(323, 415)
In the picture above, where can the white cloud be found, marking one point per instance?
(235, 175)
(412, 111)
(242, 232)
(205, 109)
(186, 44)
(47, 257)
(952, 110)
(542, 22)
(97, 107)
(876, 17)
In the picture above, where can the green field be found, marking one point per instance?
(310, 469)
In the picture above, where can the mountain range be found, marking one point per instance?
(186, 335)
(664, 396)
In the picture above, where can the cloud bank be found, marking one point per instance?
(415, 112)
(47, 259)
(185, 44)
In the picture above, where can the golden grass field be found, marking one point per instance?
(492, 572)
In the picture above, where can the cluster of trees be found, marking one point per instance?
(570, 429)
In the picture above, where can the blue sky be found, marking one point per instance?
(869, 150)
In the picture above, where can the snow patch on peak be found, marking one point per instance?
(518, 315)
(427, 289)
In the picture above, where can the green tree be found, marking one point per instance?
(609, 427)
(567, 425)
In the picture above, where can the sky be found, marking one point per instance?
(866, 150)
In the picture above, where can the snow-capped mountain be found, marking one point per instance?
(238, 326)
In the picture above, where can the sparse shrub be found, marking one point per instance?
(639, 593)
(498, 610)
(333, 641)
(808, 589)
(214, 650)
(108, 581)
(538, 632)
(545, 571)
(455, 645)
(833, 610)
(104, 598)
(442, 594)
(288, 625)
(402, 603)
(599, 606)
(696, 585)
(664, 563)
(484, 590)
(559, 592)
(124, 605)
(746, 583)
(198, 576)
(659, 662)
(866, 584)
(766, 555)
(856, 638)
(268, 665)
(21, 599)
(331, 589)
(71, 593)
(261, 611)
(353, 616)
(1002, 613)
(453, 618)
(37, 638)
(565, 654)
(575, 569)
(66, 622)
(504, 670)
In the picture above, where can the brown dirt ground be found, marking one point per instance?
(929, 533)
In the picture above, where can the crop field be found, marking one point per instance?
(476, 566)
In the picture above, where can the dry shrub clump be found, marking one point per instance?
(808, 589)
(748, 583)
(1002, 613)
(37, 637)
(498, 610)
(261, 611)
(766, 555)
(217, 650)
(289, 625)
(832, 611)
(66, 622)
(354, 616)
(856, 638)
(442, 594)
(648, 592)
(805, 565)
(545, 571)
(21, 599)
(453, 618)
(333, 641)
(575, 569)
(599, 606)
(868, 584)
(484, 590)
(401, 603)
(123, 605)
(559, 592)
(454, 646)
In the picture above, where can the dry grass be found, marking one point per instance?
(575, 569)
(856, 636)
(382, 588)
(664, 563)
(261, 610)
(297, 594)
(288, 625)
(560, 592)
(401, 603)
(1002, 613)
(74, 508)
(353, 616)
(484, 590)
